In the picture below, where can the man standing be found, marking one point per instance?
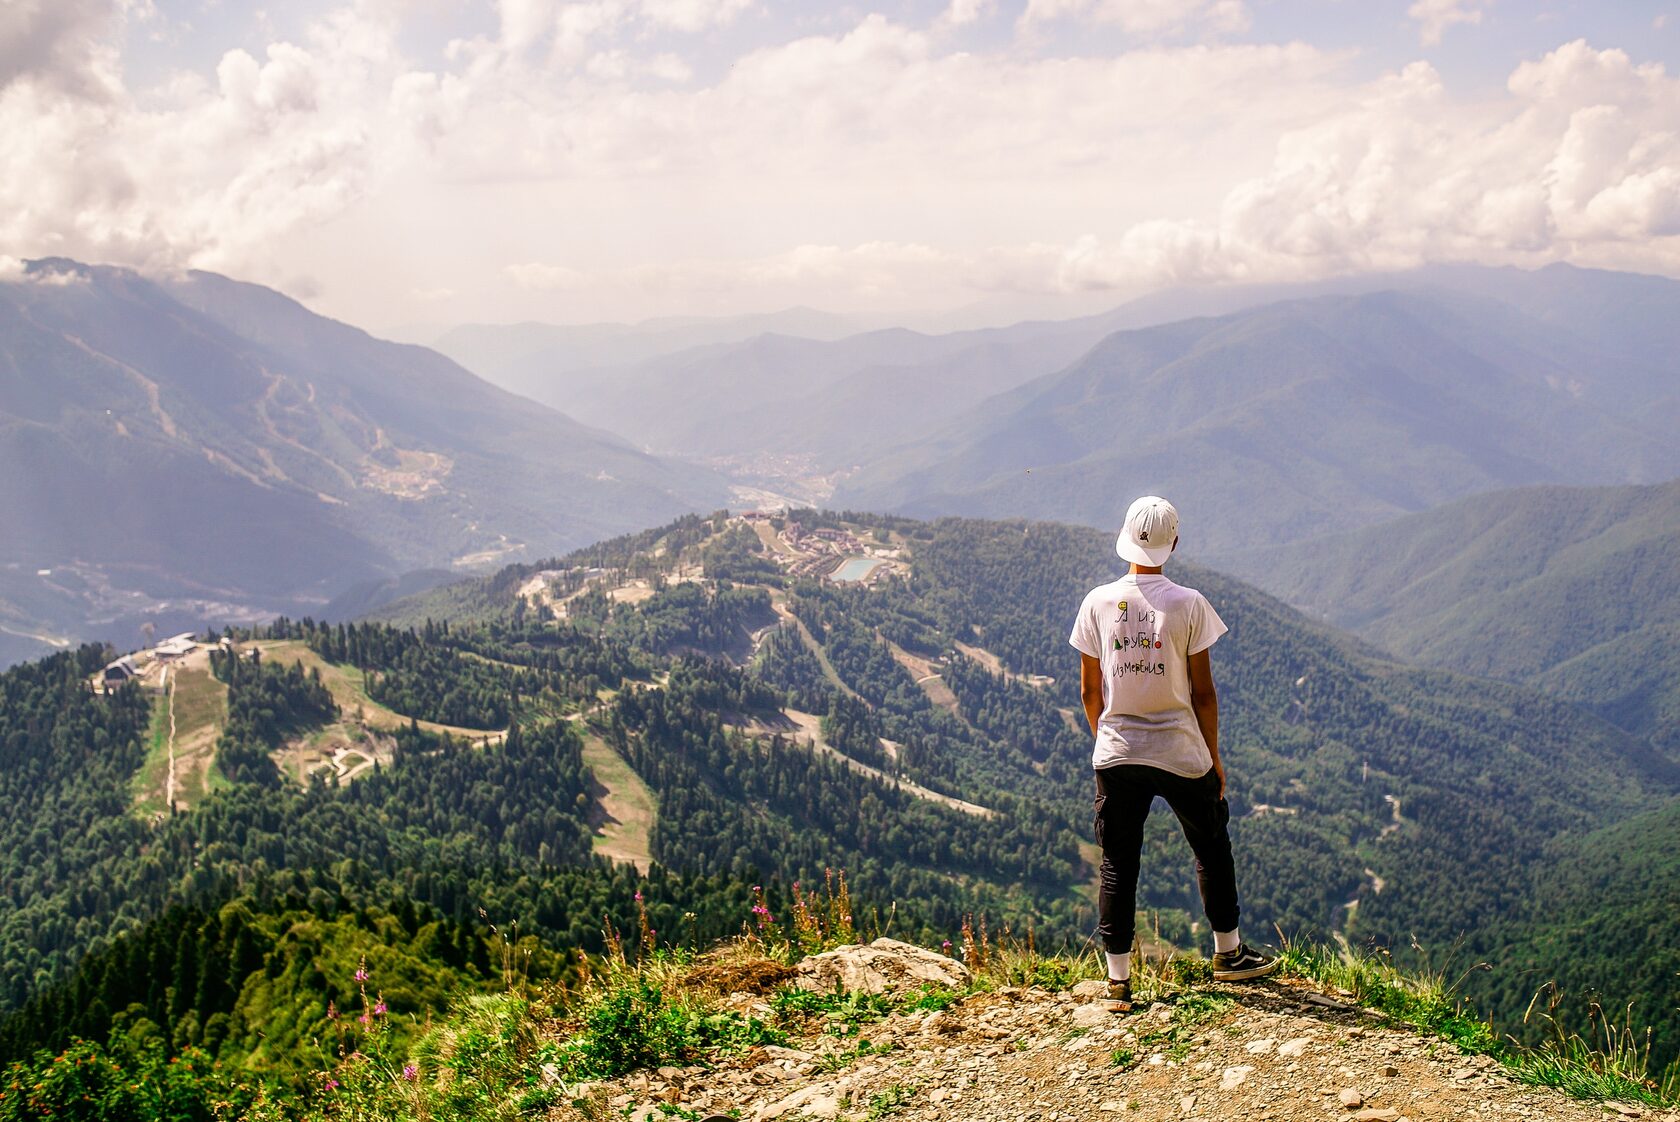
(1148, 690)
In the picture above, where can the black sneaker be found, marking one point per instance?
(1243, 963)
(1121, 994)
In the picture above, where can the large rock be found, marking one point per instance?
(881, 966)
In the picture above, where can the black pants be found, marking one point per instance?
(1124, 793)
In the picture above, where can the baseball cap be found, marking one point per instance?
(1150, 530)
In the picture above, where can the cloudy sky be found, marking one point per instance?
(434, 161)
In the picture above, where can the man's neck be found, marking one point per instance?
(1146, 570)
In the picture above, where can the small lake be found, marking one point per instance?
(855, 568)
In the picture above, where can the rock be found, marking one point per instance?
(1626, 1110)
(1464, 1073)
(1112, 1106)
(940, 1021)
(1187, 1104)
(1089, 989)
(885, 964)
(1377, 1114)
(1351, 1099)
(1295, 1047)
(1389, 1071)
(1234, 1077)
(816, 1101)
(1260, 1047)
(1324, 1002)
(774, 1052)
(672, 1074)
(1095, 1015)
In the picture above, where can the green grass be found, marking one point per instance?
(150, 780)
(1612, 1066)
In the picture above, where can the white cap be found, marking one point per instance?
(1150, 531)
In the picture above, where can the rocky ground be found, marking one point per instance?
(1266, 1050)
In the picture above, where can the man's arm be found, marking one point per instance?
(1091, 688)
(1204, 701)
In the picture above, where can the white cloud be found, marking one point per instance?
(961, 12)
(692, 15)
(1435, 16)
(1144, 17)
(55, 41)
(11, 269)
(875, 166)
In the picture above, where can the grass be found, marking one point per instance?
(629, 806)
(150, 780)
(500, 1058)
(1613, 1065)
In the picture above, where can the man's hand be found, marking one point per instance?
(1219, 770)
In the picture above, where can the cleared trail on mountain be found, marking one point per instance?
(623, 810)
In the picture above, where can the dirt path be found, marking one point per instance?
(345, 684)
(813, 646)
(809, 726)
(623, 810)
(927, 675)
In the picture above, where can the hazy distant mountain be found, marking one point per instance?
(832, 404)
(1575, 590)
(533, 358)
(1300, 418)
(208, 441)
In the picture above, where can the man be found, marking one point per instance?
(1149, 697)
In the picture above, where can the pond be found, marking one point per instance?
(855, 568)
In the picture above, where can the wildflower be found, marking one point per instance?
(332, 1084)
(410, 1072)
(638, 896)
(379, 1010)
(364, 1019)
(361, 974)
(332, 1010)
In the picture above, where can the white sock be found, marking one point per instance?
(1225, 941)
(1120, 967)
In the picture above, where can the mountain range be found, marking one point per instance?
(1572, 590)
(190, 447)
(1299, 418)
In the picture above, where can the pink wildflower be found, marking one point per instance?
(410, 1072)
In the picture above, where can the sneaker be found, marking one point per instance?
(1243, 963)
(1121, 994)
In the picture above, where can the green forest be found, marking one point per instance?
(920, 733)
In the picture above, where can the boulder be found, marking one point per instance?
(882, 966)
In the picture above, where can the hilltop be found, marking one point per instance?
(661, 729)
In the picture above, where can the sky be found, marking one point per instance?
(409, 164)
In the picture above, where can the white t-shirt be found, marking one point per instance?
(1144, 630)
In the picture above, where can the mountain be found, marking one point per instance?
(1362, 777)
(532, 358)
(1572, 590)
(778, 408)
(198, 445)
(658, 731)
(1298, 419)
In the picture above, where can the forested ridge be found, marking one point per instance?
(222, 933)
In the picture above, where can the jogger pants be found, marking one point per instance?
(1124, 794)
